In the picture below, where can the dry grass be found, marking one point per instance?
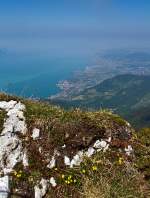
(113, 180)
(100, 190)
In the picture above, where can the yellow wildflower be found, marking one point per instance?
(94, 168)
(67, 182)
(120, 161)
(83, 171)
(62, 176)
(69, 177)
(15, 173)
(19, 175)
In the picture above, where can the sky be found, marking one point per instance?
(67, 27)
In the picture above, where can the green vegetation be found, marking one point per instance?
(105, 175)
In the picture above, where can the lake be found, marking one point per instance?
(36, 76)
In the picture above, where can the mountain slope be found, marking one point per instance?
(123, 94)
(48, 152)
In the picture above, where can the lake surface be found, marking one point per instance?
(36, 76)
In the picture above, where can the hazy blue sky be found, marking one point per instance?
(73, 26)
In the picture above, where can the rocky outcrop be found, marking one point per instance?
(11, 148)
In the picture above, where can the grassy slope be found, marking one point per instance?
(105, 175)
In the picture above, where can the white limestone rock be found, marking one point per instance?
(35, 133)
(52, 162)
(40, 149)
(41, 189)
(106, 148)
(90, 152)
(7, 105)
(129, 150)
(109, 139)
(77, 159)
(4, 187)
(25, 159)
(53, 182)
(13, 158)
(11, 149)
(10, 152)
(64, 146)
(19, 106)
(101, 145)
(67, 161)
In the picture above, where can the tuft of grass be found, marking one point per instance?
(2, 117)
